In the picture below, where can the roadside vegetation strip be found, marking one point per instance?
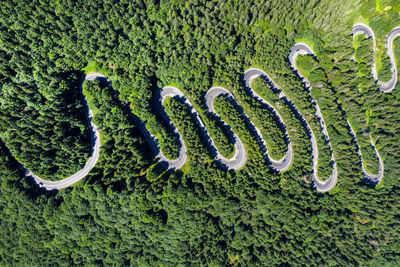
(361, 28)
(322, 186)
(221, 134)
(266, 120)
(370, 159)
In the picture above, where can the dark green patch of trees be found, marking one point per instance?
(121, 140)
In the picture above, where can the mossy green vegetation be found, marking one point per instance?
(92, 66)
(154, 172)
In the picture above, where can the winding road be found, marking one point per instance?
(279, 165)
(238, 160)
(322, 186)
(361, 28)
(161, 96)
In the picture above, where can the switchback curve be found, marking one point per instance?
(161, 96)
(249, 75)
(91, 162)
(278, 165)
(322, 186)
(235, 163)
(361, 28)
(239, 159)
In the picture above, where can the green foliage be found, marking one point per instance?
(361, 122)
(317, 78)
(306, 64)
(126, 212)
(220, 135)
(122, 141)
(182, 118)
(46, 131)
(267, 122)
(226, 109)
(385, 72)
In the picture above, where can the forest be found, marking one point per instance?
(131, 210)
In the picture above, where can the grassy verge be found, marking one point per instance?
(92, 66)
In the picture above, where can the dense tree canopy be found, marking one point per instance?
(131, 210)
